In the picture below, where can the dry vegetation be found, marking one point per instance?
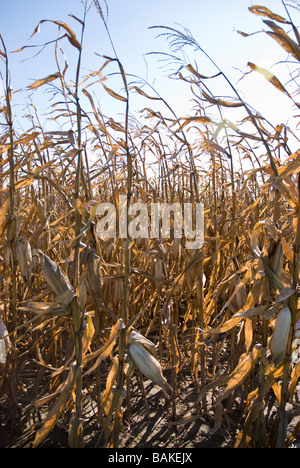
(69, 301)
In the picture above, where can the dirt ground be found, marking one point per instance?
(147, 423)
(150, 423)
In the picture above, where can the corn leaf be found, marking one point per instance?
(113, 94)
(283, 39)
(221, 102)
(57, 408)
(242, 370)
(142, 93)
(44, 81)
(263, 11)
(269, 76)
(70, 34)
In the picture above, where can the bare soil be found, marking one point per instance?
(147, 423)
(150, 421)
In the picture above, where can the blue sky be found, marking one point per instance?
(213, 23)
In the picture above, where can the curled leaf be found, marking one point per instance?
(221, 102)
(43, 81)
(263, 11)
(70, 34)
(113, 94)
(269, 76)
(283, 39)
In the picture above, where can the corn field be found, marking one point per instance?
(98, 332)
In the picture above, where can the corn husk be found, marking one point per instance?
(11, 229)
(136, 338)
(240, 297)
(24, 256)
(117, 291)
(142, 243)
(175, 248)
(149, 366)
(109, 249)
(93, 276)
(279, 339)
(5, 344)
(158, 273)
(276, 259)
(54, 275)
(82, 296)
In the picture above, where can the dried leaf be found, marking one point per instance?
(283, 39)
(198, 75)
(263, 11)
(88, 334)
(70, 34)
(228, 325)
(113, 94)
(57, 409)
(106, 349)
(291, 166)
(221, 102)
(188, 120)
(142, 93)
(242, 370)
(270, 77)
(43, 81)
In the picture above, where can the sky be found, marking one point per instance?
(213, 23)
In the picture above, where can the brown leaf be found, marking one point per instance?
(283, 39)
(198, 75)
(291, 166)
(221, 102)
(263, 11)
(106, 349)
(142, 93)
(228, 325)
(269, 76)
(70, 34)
(57, 408)
(43, 81)
(188, 120)
(242, 370)
(113, 94)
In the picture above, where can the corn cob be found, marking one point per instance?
(136, 338)
(240, 297)
(279, 339)
(149, 366)
(5, 343)
(11, 229)
(54, 275)
(276, 259)
(82, 298)
(94, 276)
(24, 256)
